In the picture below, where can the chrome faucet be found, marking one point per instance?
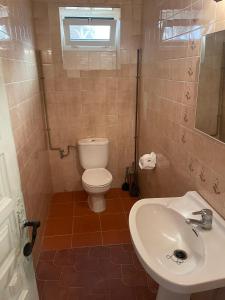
(205, 222)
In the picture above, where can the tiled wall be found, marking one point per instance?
(18, 61)
(89, 103)
(188, 160)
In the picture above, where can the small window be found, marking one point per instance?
(90, 28)
(4, 35)
(89, 32)
(4, 26)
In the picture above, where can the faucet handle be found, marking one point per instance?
(203, 212)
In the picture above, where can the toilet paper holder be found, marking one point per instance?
(148, 161)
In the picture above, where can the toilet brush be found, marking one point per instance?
(134, 189)
(125, 185)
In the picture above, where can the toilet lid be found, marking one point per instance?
(97, 177)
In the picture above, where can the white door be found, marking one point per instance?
(17, 279)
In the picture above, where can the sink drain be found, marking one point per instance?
(180, 254)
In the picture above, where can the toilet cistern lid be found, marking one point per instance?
(93, 141)
(97, 177)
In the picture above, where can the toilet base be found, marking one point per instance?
(97, 202)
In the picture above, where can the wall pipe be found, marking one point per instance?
(135, 190)
(138, 78)
(62, 153)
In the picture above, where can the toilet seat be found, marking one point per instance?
(98, 177)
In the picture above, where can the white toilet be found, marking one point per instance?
(96, 180)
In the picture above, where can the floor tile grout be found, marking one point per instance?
(125, 280)
(100, 222)
(75, 199)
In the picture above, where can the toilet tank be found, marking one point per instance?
(93, 152)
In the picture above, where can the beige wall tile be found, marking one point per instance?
(187, 159)
(98, 102)
(21, 83)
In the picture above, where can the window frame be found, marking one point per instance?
(97, 21)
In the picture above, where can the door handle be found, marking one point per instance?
(27, 249)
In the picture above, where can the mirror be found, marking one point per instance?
(210, 113)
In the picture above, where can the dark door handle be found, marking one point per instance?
(27, 250)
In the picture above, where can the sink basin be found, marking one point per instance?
(170, 233)
(182, 258)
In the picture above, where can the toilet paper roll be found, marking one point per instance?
(147, 161)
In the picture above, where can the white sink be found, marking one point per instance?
(158, 228)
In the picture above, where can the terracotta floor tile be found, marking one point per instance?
(122, 254)
(123, 194)
(118, 291)
(112, 193)
(40, 286)
(53, 290)
(46, 270)
(80, 196)
(144, 293)
(57, 242)
(63, 197)
(59, 226)
(47, 255)
(81, 208)
(128, 203)
(113, 206)
(113, 237)
(87, 239)
(127, 217)
(87, 228)
(70, 277)
(86, 294)
(153, 285)
(64, 258)
(94, 273)
(113, 222)
(61, 210)
(85, 263)
(86, 224)
(99, 252)
(133, 277)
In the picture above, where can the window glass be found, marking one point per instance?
(4, 36)
(178, 33)
(89, 32)
(90, 28)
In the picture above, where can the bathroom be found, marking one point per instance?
(76, 115)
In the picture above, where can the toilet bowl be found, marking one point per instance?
(96, 182)
(96, 179)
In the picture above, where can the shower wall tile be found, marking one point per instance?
(19, 71)
(89, 103)
(187, 159)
